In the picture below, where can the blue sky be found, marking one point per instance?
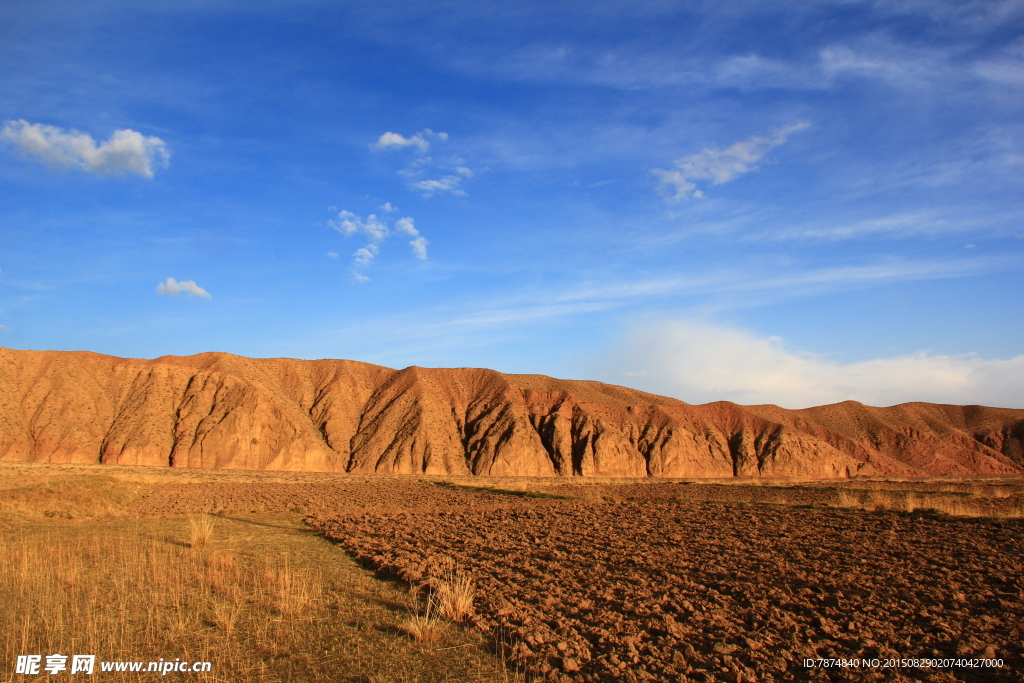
(796, 203)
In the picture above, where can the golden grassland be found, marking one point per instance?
(996, 497)
(259, 596)
(999, 499)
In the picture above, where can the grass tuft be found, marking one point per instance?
(455, 593)
(425, 628)
(200, 530)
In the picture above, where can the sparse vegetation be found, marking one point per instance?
(69, 498)
(258, 596)
(953, 499)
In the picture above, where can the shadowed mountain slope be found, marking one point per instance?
(216, 410)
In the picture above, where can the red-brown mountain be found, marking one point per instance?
(221, 411)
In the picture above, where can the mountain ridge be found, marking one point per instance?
(218, 410)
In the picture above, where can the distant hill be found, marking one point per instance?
(215, 410)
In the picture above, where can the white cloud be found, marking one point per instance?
(719, 165)
(348, 224)
(419, 247)
(449, 184)
(3, 328)
(453, 169)
(700, 362)
(171, 287)
(376, 231)
(418, 140)
(365, 255)
(419, 244)
(396, 140)
(332, 254)
(387, 208)
(406, 225)
(127, 152)
(375, 228)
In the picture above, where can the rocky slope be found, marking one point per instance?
(216, 410)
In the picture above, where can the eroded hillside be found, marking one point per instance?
(216, 410)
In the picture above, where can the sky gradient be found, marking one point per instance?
(793, 203)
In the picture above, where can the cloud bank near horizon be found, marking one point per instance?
(700, 362)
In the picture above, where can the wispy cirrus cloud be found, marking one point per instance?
(376, 230)
(928, 222)
(171, 287)
(719, 166)
(746, 282)
(1005, 68)
(126, 152)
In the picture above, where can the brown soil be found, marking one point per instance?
(679, 581)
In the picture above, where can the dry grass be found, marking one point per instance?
(899, 501)
(992, 491)
(293, 592)
(454, 593)
(955, 499)
(200, 529)
(425, 627)
(848, 499)
(450, 595)
(86, 497)
(125, 595)
(260, 597)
